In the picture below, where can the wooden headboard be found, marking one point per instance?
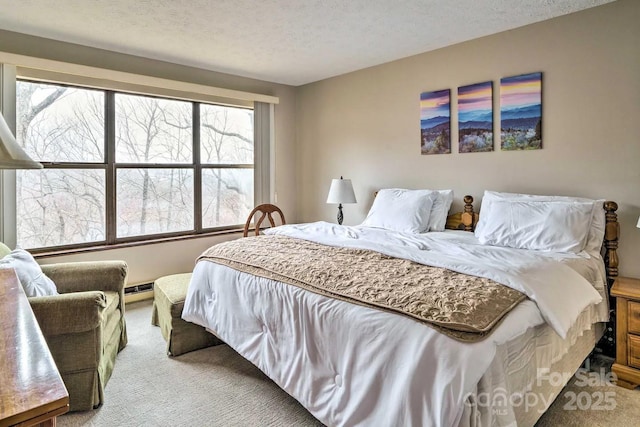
(468, 218)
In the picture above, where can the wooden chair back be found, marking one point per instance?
(265, 211)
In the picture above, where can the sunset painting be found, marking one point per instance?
(475, 118)
(521, 112)
(435, 122)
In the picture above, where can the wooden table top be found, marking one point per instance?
(626, 287)
(31, 388)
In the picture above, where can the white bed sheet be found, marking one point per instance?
(353, 365)
(534, 273)
(520, 365)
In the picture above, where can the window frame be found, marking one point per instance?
(111, 167)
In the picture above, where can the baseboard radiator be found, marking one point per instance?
(138, 292)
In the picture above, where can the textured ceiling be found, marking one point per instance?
(285, 41)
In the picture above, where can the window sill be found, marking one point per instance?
(72, 251)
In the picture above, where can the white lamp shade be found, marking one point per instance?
(638, 224)
(12, 156)
(341, 191)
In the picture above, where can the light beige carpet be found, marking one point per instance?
(217, 387)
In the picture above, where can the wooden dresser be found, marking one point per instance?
(627, 365)
(31, 389)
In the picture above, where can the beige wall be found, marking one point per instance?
(151, 261)
(365, 125)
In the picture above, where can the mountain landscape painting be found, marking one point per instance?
(475, 118)
(521, 112)
(435, 122)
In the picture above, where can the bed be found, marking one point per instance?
(350, 363)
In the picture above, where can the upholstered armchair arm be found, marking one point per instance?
(68, 313)
(88, 276)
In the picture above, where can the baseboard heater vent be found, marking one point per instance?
(136, 289)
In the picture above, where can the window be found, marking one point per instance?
(226, 148)
(121, 167)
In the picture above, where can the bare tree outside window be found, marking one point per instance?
(65, 203)
(227, 196)
(56, 206)
(152, 201)
(226, 139)
(153, 131)
(60, 207)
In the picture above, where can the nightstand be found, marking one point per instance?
(627, 365)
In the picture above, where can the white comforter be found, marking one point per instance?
(353, 365)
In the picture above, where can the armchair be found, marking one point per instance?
(84, 325)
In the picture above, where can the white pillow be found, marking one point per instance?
(541, 226)
(440, 210)
(401, 210)
(594, 229)
(34, 282)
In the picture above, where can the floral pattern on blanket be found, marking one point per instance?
(461, 306)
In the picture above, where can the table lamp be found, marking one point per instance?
(12, 156)
(341, 191)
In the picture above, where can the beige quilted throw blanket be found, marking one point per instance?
(463, 307)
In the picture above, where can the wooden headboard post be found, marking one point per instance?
(465, 220)
(468, 218)
(610, 255)
(611, 236)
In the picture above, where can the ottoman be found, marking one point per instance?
(169, 293)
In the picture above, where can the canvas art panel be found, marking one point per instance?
(435, 122)
(521, 112)
(475, 118)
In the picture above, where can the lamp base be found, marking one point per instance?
(340, 216)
